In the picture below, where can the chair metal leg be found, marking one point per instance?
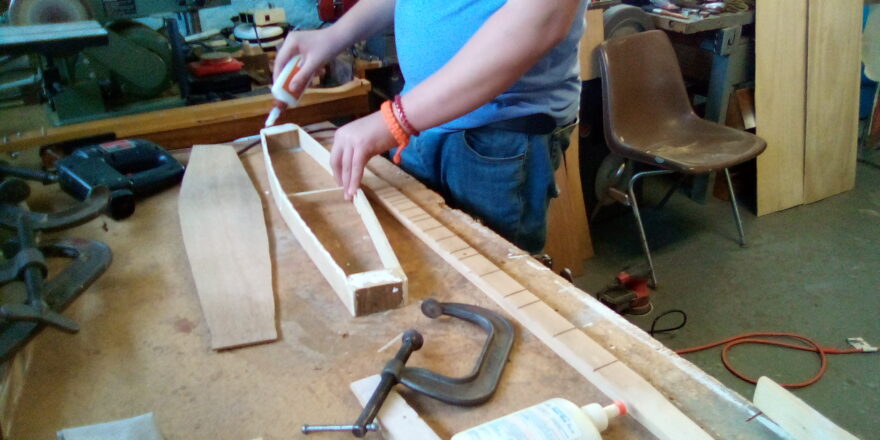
(736, 216)
(635, 208)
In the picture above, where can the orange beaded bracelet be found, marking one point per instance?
(395, 128)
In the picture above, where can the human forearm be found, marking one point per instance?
(508, 44)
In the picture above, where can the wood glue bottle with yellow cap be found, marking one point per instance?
(281, 90)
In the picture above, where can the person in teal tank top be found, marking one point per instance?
(491, 93)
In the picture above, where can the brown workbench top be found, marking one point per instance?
(144, 345)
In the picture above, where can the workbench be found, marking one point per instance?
(144, 345)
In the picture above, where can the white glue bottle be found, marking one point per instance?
(554, 419)
(282, 92)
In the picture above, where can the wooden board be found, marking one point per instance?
(800, 420)
(597, 365)
(833, 80)
(198, 124)
(568, 231)
(780, 102)
(594, 35)
(367, 279)
(221, 218)
(397, 420)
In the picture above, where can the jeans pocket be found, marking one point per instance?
(485, 171)
(494, 145)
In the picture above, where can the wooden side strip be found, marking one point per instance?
(615, 379)
(221, 217)
(397, 420)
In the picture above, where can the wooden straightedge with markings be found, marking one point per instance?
(603, 369)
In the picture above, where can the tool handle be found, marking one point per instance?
(412, 341)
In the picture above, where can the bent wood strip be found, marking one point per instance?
(221, 218)
(590, 359)
(362, 293)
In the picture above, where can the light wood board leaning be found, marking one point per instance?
(807, 57)
(224, 233)
(363, 286)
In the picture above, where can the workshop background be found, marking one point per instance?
(720, 238)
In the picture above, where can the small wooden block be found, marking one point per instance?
(388, 191)
(404, 204)
(413, 212)
(453, 244)
(439, 233)
(480, 265)
(394, 198)
(503, 283)
(375, 183)
(522, 299)
(552, 321)
(378, 298)
(464, 253)
(428, 224)
(578, 342)
(417, 217)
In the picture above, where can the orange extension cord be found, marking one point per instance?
(767, 339)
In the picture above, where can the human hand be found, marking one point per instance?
(316, 47)
(354, 145)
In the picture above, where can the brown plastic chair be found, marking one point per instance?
(649, 119)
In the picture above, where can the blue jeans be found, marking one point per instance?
(502, 178)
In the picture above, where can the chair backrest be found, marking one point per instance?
(643, 89)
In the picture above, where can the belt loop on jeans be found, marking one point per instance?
(539, 123)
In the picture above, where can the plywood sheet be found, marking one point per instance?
(833, 72)
(221, 218)
(780, 102)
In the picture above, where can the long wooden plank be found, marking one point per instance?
(800, 420)
(833, 79)
(586, 356)
(397, 420)
(221, 218)
(780, 101)
(362, 293)
(211, 116)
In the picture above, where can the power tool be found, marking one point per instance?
(130, 169)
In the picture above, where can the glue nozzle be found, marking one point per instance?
(274, 114)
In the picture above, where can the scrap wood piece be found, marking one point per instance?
(397, 420)
(364, 292)
(591, 360)
(224, 232)
(794, 415)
